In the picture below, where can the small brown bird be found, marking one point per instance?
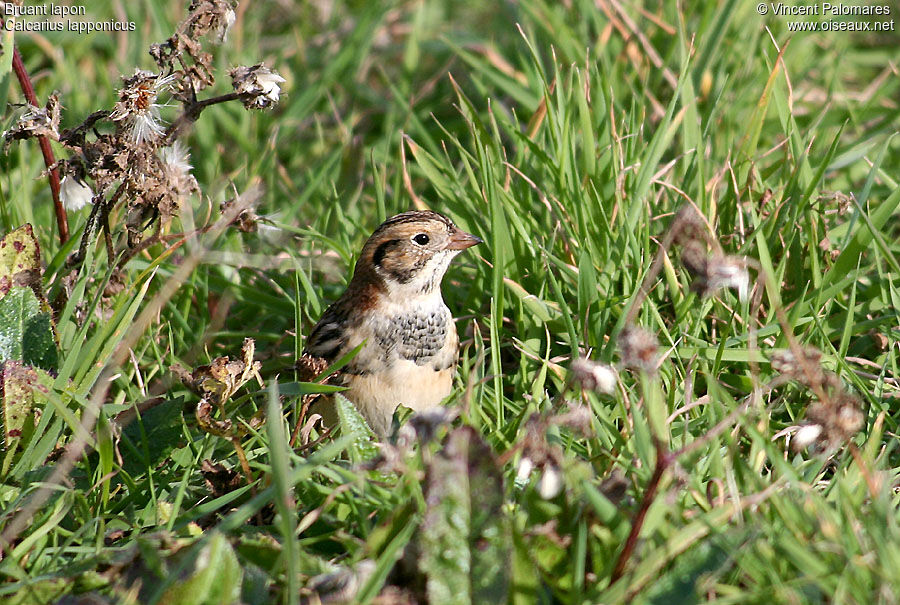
(394, 305)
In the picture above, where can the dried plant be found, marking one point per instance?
(594, 376)
(639, 349)
(216, 383)
(835, 416)
(129, 155)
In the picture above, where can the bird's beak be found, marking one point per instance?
(460, 240)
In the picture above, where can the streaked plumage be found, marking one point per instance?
(394, 304)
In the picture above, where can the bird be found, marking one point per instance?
(393, 307)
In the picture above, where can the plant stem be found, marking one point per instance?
(664, 459)
(191, 113)
(62, 221)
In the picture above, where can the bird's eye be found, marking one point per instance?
(421, 239)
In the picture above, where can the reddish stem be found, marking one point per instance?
(663, 460)
(62, 221)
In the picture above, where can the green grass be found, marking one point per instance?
(567, 136)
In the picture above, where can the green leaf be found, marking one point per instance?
(20, 262)
(353, 425)
(26, 333)
(160, 430)
(284, 500)
(465, 536)
(20, 390)
(214, 580)
(39, 592)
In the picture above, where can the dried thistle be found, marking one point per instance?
(711, 273)
(183, 55)
(176, 165)
(210, 16)
(74, 193)
(137, 109)
(35, 122)
(141, 162)
(639, 349)
(831, 423)
(538, 454)
(594, 376)
(258, 87)
(836, 416)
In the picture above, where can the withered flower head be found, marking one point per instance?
(579, 419)
(831, 423)
(36, 121)
(689, 227)
(551, 482)
(639, 348)
(137, 107)
(727, 272)
(785, 362)
(177, 169)
(216, 16)
(807, 369)
(74, 193)
(710, 273)
(538, 453)
(594, 376)
(242, 209)
(258, 86)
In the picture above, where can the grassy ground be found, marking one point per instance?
(568, 135)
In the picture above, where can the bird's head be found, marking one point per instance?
(410, 252)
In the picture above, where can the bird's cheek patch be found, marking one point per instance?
(382, 251)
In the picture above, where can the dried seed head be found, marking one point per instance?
(309, 367)
(524, 468)
(848, 421)
(538, 453)
(689, 227)
(807, 369)
(242, 209)
(806, 435)
(711, 273)
(137, 107)
(210, 16)
(177, 169)
(74, 194)
(836, 202)
(246, 221)
(639, 349)
(551, 482)
(225, 24)
(36, 121)
(722, 272)
(578, 419)
(832, 422)
(594, 376)
(258, 86)
(727, 272)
